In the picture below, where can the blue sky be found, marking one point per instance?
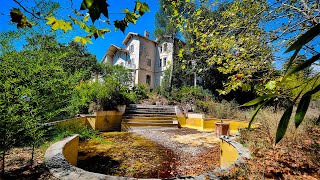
(99, 46)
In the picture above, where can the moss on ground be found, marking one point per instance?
(125, 154)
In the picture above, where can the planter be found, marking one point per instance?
(222, 129)
(106, 120)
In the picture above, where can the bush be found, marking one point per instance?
(191, 94)
(222, 110)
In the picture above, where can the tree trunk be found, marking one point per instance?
(32, 155)
(3, 156)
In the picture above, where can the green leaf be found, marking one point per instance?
(271, 85)
(141, 8)
(291, 60)
(283, 124)
(258, 100)
(256, 112)
(95, 7)
(122, 24)
(305, 38)
(302, 109)
(305, 64)
(86, 4)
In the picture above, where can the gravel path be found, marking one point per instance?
(196, 152)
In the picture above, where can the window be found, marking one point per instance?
(160, 49)
(165, 47)
(164, 62)
(148, 79)
(131, 48)
(129, 61)
(149, 62)
(160, 62)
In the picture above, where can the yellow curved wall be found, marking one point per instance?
(228, 154)
(70, 151)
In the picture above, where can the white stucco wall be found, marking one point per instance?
(160, 56)
(120, 58)
(134, 55)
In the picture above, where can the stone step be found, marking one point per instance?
(148, 112)
(147, 121)
(150, 117)
(149, 124)
(143, 128)
(151, 110)
(149, 106)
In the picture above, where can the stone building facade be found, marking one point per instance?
(148, 59)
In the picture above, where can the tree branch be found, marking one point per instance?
(26, 10)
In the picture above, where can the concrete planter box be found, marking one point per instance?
(106, 120)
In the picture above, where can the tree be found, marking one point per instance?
(225, 39)
(106, 92)
(37, 87)
(94, 9)
(163, 27)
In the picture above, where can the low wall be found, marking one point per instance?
(181, 117)
(101, 121)
(105, 120)
(197, 121)
(232, 154)
(59, 158)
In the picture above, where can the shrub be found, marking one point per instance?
(192, 94)
(222, 110)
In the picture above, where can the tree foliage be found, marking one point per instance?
(37, 84)
(94, 9)
(224, 42)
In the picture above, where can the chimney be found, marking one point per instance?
(146, 34)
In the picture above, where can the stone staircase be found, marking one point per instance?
(139, 117)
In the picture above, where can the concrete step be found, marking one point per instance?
(140, 113)
(149, 106)
(152, 110)
(143, 128)
(146, 121)
(149, 124)
(169, 117)
(147, 115)
(147, 112)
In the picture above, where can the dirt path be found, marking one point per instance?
(196, 152)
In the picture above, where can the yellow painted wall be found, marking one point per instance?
(70, 151)
(208, 124)
(106, 120)
(195, 123)
(228, 155)
(181, 117)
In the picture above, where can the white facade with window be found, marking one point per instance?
(147, 58)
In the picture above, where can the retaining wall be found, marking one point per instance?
(199, 122)
(59, 158)
(101, 121)
(232, 153)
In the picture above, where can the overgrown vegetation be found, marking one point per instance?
(295, 157)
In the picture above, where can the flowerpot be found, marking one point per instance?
(222, 129)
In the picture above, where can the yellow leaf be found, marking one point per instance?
(51, 20)
(82, 40)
